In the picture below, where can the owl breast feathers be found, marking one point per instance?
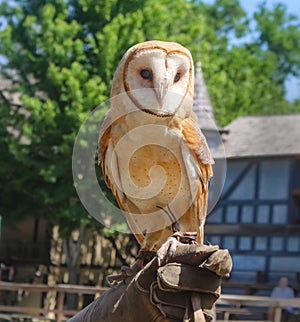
(153, 154)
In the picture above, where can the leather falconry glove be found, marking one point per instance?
(183, 289)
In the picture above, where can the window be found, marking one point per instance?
(263, 214)
(279, 214)
(215, 217)
(261, 243)
(293, 244)
(245, 188)
(245, 243)
(234, 169)
(213, 240)
(277, 244)
(229, 242)
(274, 179)
(247, 214)
(232, 214)
(285, 264)
(254, 263)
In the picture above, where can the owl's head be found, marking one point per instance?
(158, 78)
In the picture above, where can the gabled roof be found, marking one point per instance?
(272, 135)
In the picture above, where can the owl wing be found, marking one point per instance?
(104, 149)
(110, 169)
(198, 162)
(201, 162)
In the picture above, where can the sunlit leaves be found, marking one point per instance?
(279, 32)
(60, 56)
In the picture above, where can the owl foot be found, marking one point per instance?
(126, 272)
(116, 278)
(143, 258)
(168, 248)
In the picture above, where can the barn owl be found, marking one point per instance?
(153, 154)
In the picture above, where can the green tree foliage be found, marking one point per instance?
(279, 33)
(60, 55)
(251, 68)
(46, 66)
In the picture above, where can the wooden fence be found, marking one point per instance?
(228, 306)
(268, 308)
(59, 312)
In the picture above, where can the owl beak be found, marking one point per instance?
(161, 92)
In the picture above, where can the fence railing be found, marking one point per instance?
(227, 307)
(58, 311)
(249, 305)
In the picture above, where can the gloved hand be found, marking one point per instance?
(184, 289)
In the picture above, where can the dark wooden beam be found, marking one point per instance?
(252, 229)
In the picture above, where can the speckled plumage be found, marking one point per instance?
(153, 154)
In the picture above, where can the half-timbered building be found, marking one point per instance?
(257, 216)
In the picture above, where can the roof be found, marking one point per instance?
(202, 105)
(272, 135)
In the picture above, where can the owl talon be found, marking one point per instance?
(168, 249)
(126, 272)
(143, 258)
(186, 238)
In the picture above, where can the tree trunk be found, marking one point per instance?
(72, 250)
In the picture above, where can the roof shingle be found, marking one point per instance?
(272, 135)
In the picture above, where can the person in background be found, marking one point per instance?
(7, 270)
(283, 291)
(7, 274)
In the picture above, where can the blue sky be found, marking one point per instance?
(293, 7)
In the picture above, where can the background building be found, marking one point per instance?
(257, 216)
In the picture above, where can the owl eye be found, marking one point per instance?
(146, 74)
(177, 77)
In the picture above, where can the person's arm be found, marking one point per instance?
(185, 287)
